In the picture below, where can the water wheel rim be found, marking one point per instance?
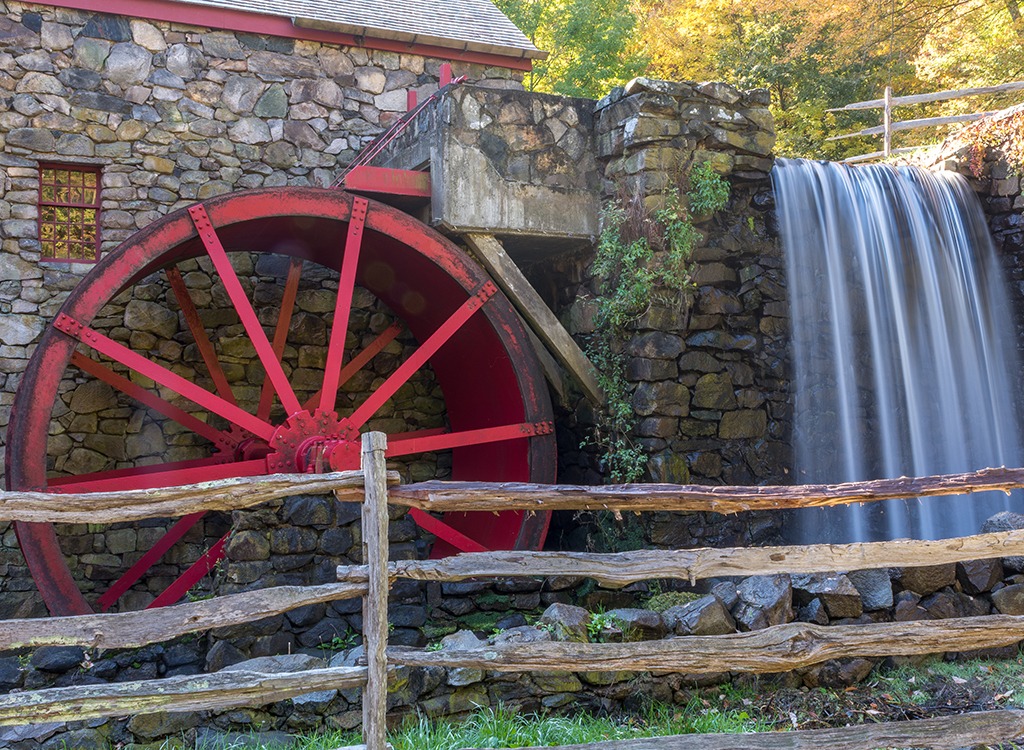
(427, 256)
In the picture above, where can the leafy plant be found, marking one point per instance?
(641, 257)
(600, 622)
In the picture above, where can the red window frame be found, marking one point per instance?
(69, 212)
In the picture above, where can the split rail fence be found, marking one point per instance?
(774, 649)
(888, 102)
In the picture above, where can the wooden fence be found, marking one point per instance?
(774, 649)
(888, 126)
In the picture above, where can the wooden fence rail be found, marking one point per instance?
(622, 568)
(777, 648)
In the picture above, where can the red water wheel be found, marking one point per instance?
(496, 410)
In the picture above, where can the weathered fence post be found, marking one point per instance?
(375, 605)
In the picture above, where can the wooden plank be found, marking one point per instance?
(913, 124)
(171, 502)
(553, 371)
(498, 496)
(375, 605)
(939, 733)
(900, 101)
(206, 692)
(623, 568)
(134, 629)
(506, 273)
(775, 649)
(880, 154)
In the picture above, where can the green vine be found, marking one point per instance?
(641, 256)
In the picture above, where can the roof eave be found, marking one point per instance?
(462, 45)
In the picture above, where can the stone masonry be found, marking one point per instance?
(173, 114)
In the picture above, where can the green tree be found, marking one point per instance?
(590, 43)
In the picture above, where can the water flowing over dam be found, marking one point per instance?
(904, 356)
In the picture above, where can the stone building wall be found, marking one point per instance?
(709, 382)
(172, 114)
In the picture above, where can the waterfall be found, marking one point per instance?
(904, 353)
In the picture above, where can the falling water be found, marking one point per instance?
(903, 347)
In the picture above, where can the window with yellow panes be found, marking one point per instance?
(69, 212)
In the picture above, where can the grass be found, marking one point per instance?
(501, 727)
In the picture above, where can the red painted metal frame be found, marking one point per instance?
(284, 319)
(148, 398)
(195, 573)
(157, 373)
(343, 305)
(419, 358)
(388, 181)
(403, 446)
(253, 327)
(259, 23)
(486, 370)
(148, 560)
(441, 530)
(195, 327)
(359, 361)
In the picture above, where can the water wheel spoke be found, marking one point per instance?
(168, 474)
(406, 443)
(198, 330)
(426, 350)
(196, 571)
(246, 313)
(360, 361)
(284, 321)
(343, 305)
(151, 400)
(443, 531)
(148, 560)
(160, 374)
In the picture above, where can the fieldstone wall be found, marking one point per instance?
(709, 381)
(173, 114)
(717, 607)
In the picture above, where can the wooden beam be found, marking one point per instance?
(172, 502)
(623, 568)
(134, 629)
(901, 101)
(939, 733)
(205, 692)
(776, 649)
(506, 273)
(913, 124)
(498, 496)
(375, 605)
(553, 371)
(880, 154)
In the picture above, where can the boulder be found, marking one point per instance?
(926, 579)
(979, 576)
(837, 592)
(874, 587)
(1009, 600)
(277, 664)
(638, 624)
(566, 622)
(462, 640)
(763, 601)
(837, 673)
(1007, 521)
(57, 658)
(705, 616)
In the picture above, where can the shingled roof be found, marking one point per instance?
(475, 25)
